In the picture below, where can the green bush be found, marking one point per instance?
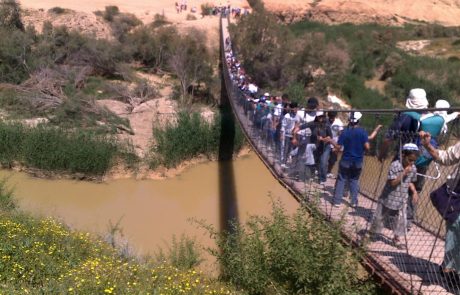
(159, 20)
(53, 149)
(7, 202)
(12, 137)
(190, 17)
(110, 12)
(206, 9)
(124, 23)
(10, 15)
(182, 254)
(60, 150)
(281, 254)
(189, 137)
(15, 55)
(58, 10)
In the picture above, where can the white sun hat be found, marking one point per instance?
(417, 99)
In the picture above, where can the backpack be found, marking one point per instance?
(405, 125)
(446, 202)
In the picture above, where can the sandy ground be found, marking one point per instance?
(445, 12)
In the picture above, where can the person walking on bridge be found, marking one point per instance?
(354, 141)
(446, 200)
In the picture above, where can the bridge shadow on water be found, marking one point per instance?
(228, 204)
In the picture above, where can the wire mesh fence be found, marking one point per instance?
(416, 257)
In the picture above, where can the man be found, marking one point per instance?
(354, 142)
(288, 123)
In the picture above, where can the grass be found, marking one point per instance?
(59, 150)
(188, 137)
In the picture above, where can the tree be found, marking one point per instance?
(10, 15)
(189, 60)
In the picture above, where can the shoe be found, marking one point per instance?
(451, 276)
(330, 175)
(323, 183)
(284, 166)
(354, 206)
(398, 244)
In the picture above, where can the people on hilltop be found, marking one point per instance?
(394, 197)
(446, 200)
(353, 142)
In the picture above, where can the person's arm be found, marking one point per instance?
(445, 157)
(337, 146)
(425, 139)
(451, 117)
(396, 181)
(375, 132)
(415, 196)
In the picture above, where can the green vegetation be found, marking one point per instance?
(289, 58)
(283, 254)
(57, 149)
(59, 74)
(182, 254)
(188, 137)
(58, 10)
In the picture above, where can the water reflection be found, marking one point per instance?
(227, 191)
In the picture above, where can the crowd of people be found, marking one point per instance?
(307, 142)
(221, 10)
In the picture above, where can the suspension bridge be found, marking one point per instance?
(413, 270)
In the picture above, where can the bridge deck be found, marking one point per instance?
(413, 270)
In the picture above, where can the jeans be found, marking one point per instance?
(286, 147)
(323, 163)
(349, 172)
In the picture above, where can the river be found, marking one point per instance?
(152, 211)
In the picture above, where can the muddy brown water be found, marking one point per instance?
(151, 211)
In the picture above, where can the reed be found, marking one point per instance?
(58, 149)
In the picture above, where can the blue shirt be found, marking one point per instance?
(353, 140)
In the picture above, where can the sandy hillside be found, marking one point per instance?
(445, 12)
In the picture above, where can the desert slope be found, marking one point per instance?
(444, 12)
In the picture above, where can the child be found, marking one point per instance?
(393, 200)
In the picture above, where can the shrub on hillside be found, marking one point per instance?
(281, 254)
(124, 23)
(206, 9)
(110, 12)
(190, 17)
(15, 55)
(58, 10)
(10, 15)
